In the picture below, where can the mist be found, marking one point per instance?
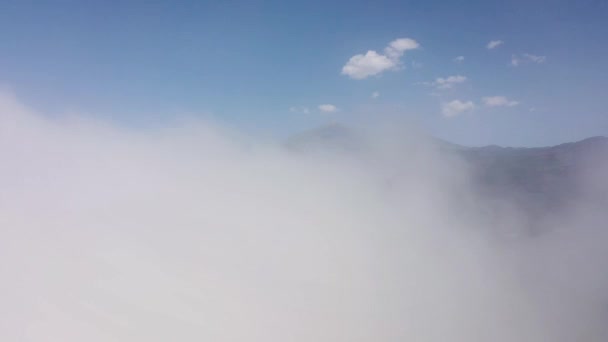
(198, 232)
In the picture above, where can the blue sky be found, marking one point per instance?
(269, 65)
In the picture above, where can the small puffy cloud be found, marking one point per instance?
(459, 59)
(328, 108)
(363, 66)
(373, 63)
(447, 82)
(397, 47)
(456, 107)
(375, 95)
(526, 58)
(494, 44)
(498, 101)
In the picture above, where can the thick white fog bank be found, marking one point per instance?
(193, 233)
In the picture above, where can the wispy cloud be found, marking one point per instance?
(525, 58)
(459, 59)
(375, 95)
(373, 63)
(494, 44)
(456, 107)
(515, 60)
(534, 58)
(328, 108)
(498, 101)
(447, 82)
(303, 110)
(416, 65)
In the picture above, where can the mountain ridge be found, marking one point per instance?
(536, 179)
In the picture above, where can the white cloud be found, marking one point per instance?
(372, 63)
(328, 108)
(456, 107)
(446, 83)
(498, 101)
(526, 58)
(397, 47)
(494, 44)
(375, 95)
(459, 59)
(363, 66)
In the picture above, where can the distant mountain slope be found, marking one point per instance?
(542, 178)
(536, 179)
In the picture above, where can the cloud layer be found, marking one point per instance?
(193, 232)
